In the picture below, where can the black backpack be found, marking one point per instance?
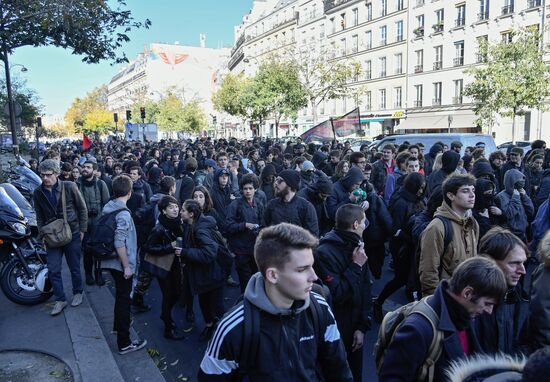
(100, 241)
(224, 258)
(251, 333)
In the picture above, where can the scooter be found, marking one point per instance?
(23, 178)
(24, 273)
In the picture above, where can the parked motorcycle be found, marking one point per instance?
(24, 273)
(23, 204)
(23, 178)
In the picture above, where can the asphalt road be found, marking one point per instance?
(179, 360)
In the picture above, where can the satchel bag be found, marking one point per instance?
(58, 233)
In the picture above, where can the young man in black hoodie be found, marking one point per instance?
(341, 263)
(290, 345)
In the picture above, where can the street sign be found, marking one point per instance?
(18, 109)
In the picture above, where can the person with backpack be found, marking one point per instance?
(317, 194)
(96, 195)
(507, 329)
(401, 245)
(280, 330)
(124, 265)
(146, 218)
(341, 264)
(60, 201)
(452, 219)
(199, 253)
(417, 342)
(539, 310)
(162, 260)
(244, 220)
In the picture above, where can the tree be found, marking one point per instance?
(170, 114)
(78, 112)
(194, 118)
(98, 121)
(277, 89)
(151, 110)
(94, 29)
(26, 98)
(325, 79)
(515, 78)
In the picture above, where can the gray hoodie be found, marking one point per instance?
(125, 236)
(517, 209)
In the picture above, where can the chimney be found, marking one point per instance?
(202, 38)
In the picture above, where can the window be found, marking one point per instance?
(343, 47)
(369, 11)
(399, 31)
(332, 25)
(419, 30)
(398, 95)
(355, 15)
(400, 5)
(382, 67)
(343, 21)
(483, 10)
(383, 7)
(354, 43)
(508, 7)
(438, 63)
(481, 56)
(382, 103)
(419, 61)
(418, 99)
(440, 20)
(368, 70)
(420, 20)
(322, 31)
(368, 40)
(459, 53)
(460, 15)
(383, 35)
(437, 94)
(368, 100)
(506, 37)
(333, 49)
(399, 63)
(459, 87)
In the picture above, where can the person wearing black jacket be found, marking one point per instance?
(288, 207)
(342, 190)
(153, 179)
(162, 249)
(221, 192)
(450, 161)
(317, 194)
(340, 262)
(267, 178)
(430, 158)
(401, 244)
(485, 211)
(205, 276)
(244, 220)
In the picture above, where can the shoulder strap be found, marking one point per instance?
(117, 211)
(251, 337)
(448, 237)
(436, 346)
(63, 201)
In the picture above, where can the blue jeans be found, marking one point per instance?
(72, 256)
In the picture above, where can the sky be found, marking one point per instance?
(58, 76)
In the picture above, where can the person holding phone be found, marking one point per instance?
(163, 257)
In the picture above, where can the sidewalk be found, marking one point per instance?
(75, 337)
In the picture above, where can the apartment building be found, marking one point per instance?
(444, 41)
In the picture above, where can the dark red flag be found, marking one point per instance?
(86, 143)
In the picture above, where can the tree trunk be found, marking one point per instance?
(314, 110)
(514, 128)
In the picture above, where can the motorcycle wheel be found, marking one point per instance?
(17, 286)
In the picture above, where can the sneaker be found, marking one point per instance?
(89, 279)
(136, 345)
(77, 299)
(58, 307)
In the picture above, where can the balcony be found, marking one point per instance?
(458, 61)
(238, 44)
(419, 32)
(438, 28)
(457, 100)
(438, 65)
(460, 22)
(417, 103)
(534, 3)
(418, 68)
(507, 10)
(483, 16)
(330, 4)
(436, 102)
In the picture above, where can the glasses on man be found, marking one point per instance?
(46, 174)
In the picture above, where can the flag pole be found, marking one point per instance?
(333, 132)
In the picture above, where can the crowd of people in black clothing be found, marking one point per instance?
(431, 215)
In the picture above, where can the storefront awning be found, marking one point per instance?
(437, 121)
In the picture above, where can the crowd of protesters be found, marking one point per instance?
(469, 230)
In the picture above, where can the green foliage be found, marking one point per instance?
(170, 114)
(24, 96)
(230, 97)
(95, 29)
(151, 111)
(515, 78)
(90, 113)
(98, 121)
(194, 118)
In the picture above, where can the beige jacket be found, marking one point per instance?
(462, 246)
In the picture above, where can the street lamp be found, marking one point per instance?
(449, 121)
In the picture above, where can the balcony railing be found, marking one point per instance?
(383, 42)
(398, 71)
(438, 27)
(458, 61)
(329, 4)
(418, 68)
(419, 32)
(507, 9)
(238, 44)
(460, 22)
(398, 105)
(534, 3)
(368, 75)
(382, 106)
(457, 100)
(436, 102)
(483, 16)
(417, 103)
(399, 38)
(382, 74)
(438, 65)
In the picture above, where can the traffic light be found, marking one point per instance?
(215, 120)
(142, 112)
(128, 115)
(115, 117)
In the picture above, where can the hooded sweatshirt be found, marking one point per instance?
(517, 209)
(450, 161)
(483, 203)
(288, 347)
(430, 158)
(125, 236)
(341, 190)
